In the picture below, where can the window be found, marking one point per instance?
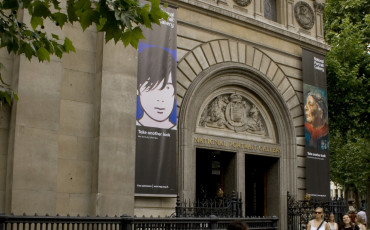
(270, 10)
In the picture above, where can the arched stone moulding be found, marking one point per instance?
(215, 52)
(219, 63)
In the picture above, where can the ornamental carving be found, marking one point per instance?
(243, 2)
(304, 15)
(319, 7)
(233, 112)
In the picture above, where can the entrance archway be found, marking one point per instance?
(263, 85)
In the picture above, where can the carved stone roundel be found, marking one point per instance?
(304, 15)
(243, 2)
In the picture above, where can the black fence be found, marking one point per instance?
(300, 212)
(10, 222)
(225, 206)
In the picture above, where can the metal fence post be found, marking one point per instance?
(126, 222)
(234, 204)
(2, 222)
(214, 220)
(178, 207)
(274, 222)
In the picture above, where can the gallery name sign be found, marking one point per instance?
(236, 145)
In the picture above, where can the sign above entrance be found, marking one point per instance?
(236, 145)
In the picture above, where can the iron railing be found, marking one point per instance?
(300, 212)
(11, 222)
(225, 206)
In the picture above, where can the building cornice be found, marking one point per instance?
(271, 28)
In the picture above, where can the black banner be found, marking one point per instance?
(155, 167)
(316, 125)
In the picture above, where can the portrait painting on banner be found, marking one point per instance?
(316, 118)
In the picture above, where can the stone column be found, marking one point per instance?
(290, 14)
(240, 176)
(319, 9)
(5, 112)
(32, 163)
(115, 130)
(258, 8)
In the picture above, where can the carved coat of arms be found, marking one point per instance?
(232, 112)
(304, 15)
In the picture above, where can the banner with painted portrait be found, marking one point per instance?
(155, 165)
(316, 127)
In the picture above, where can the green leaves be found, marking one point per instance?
(43, 54)
(132, 37)
(348, 67)
(59, 18)
(36, 21)
(40, 9)
(119, 19)
(68, 46)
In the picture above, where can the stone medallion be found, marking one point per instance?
(304, 15)
(243, 2)
(233, 112)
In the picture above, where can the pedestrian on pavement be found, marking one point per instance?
(360, 222)
(318, 223)
(362, 213)
(332, 224)
(347, 224)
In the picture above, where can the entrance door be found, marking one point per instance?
(261, 185)
(215, 170)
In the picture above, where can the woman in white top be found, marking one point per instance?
(318, 223)
(331, 223)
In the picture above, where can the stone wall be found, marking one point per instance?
(68, 145)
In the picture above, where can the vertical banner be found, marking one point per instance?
(316, 125)
(155, 166)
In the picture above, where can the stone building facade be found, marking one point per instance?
(68, 145)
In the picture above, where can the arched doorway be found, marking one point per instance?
(258, 85)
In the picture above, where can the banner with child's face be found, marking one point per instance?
(155, 166)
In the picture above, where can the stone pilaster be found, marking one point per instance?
(319, 11)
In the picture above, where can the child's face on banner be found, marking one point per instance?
(158, 103)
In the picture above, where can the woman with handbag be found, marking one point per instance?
(318, 223)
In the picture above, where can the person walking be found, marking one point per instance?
(362, 213)
(347, 224)
(360, 222)
(318, 223)
(331, 223)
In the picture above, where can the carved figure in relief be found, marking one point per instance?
(214, 114)
(234, 113)
(304, 15)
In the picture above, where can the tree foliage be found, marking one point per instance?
(348, 66)
(119, 19)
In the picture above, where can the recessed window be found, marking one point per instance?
(270, 10)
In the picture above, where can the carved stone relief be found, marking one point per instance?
(233, 112)
(319, 7)
(304, 15)
(243, 2)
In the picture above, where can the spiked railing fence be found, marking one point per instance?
(301, 211)
(11, 222)
(225, 206)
